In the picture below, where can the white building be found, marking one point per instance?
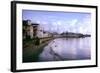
(41, 33)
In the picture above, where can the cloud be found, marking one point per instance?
(73, 22)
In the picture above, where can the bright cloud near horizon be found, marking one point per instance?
(60, 21)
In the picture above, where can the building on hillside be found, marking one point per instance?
(35, 28)
(32, 30)
(42, 33)
(29, 29)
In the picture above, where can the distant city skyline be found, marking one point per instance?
(60, 21)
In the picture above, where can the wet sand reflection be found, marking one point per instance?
(67, 49)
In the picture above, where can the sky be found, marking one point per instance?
(56, 21)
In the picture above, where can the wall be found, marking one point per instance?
(5, 37)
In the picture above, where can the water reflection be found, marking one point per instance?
(67, 49)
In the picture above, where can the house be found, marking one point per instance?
(29, 29)
(33, 30)
(42, 33)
